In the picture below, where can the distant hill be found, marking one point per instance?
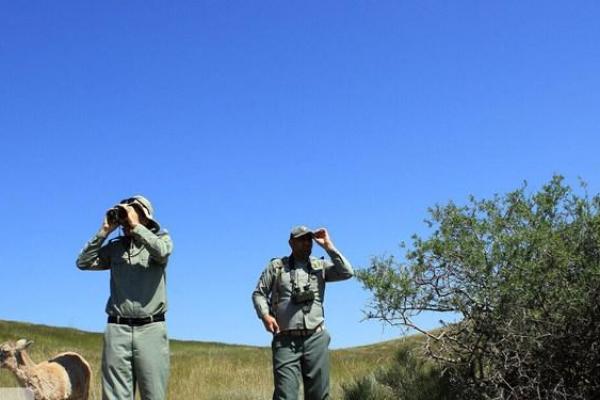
(201, 370)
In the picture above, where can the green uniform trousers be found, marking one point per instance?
(135, 355)
(295, 356)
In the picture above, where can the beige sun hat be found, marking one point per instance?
(146, 208)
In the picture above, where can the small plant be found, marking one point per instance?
(410, 377)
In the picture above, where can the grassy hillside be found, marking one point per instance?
(200, 370)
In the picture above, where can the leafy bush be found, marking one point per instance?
(523, 273)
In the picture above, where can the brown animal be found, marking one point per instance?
(64, 377)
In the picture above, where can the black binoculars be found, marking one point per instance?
(117, 216)
(302, 296)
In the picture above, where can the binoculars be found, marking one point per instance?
(117, 215)
(302, 296)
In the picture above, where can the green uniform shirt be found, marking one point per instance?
(137, 270)
(273, 293)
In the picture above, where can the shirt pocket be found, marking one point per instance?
(284, 283)
(142, 260)
(317, 282)
(118, 260)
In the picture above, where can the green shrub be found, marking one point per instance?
(410, 377)
(522, 273)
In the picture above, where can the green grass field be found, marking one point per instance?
(201, 370)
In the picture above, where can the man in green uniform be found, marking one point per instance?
(136, 348)
(289, 300)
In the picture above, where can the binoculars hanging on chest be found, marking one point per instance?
(302, 295)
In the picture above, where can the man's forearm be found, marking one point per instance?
(88, 258)
(261, 305)
(341, 268)
(159, 247)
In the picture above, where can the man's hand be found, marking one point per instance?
(106, 228)
(321, 236)
(270, 323)
(133, 218)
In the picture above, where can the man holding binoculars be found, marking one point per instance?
(136, 348)
(289, 300)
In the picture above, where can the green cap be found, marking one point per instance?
(300, 230)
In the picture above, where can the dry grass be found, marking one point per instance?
(200, 370)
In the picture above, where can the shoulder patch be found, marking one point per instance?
(317, 263)
(279, 262)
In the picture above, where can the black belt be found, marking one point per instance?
(135, 321)
(301, 332)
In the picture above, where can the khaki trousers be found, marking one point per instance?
(306, 357)
(135, 356)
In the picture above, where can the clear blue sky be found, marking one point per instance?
(241, 119)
